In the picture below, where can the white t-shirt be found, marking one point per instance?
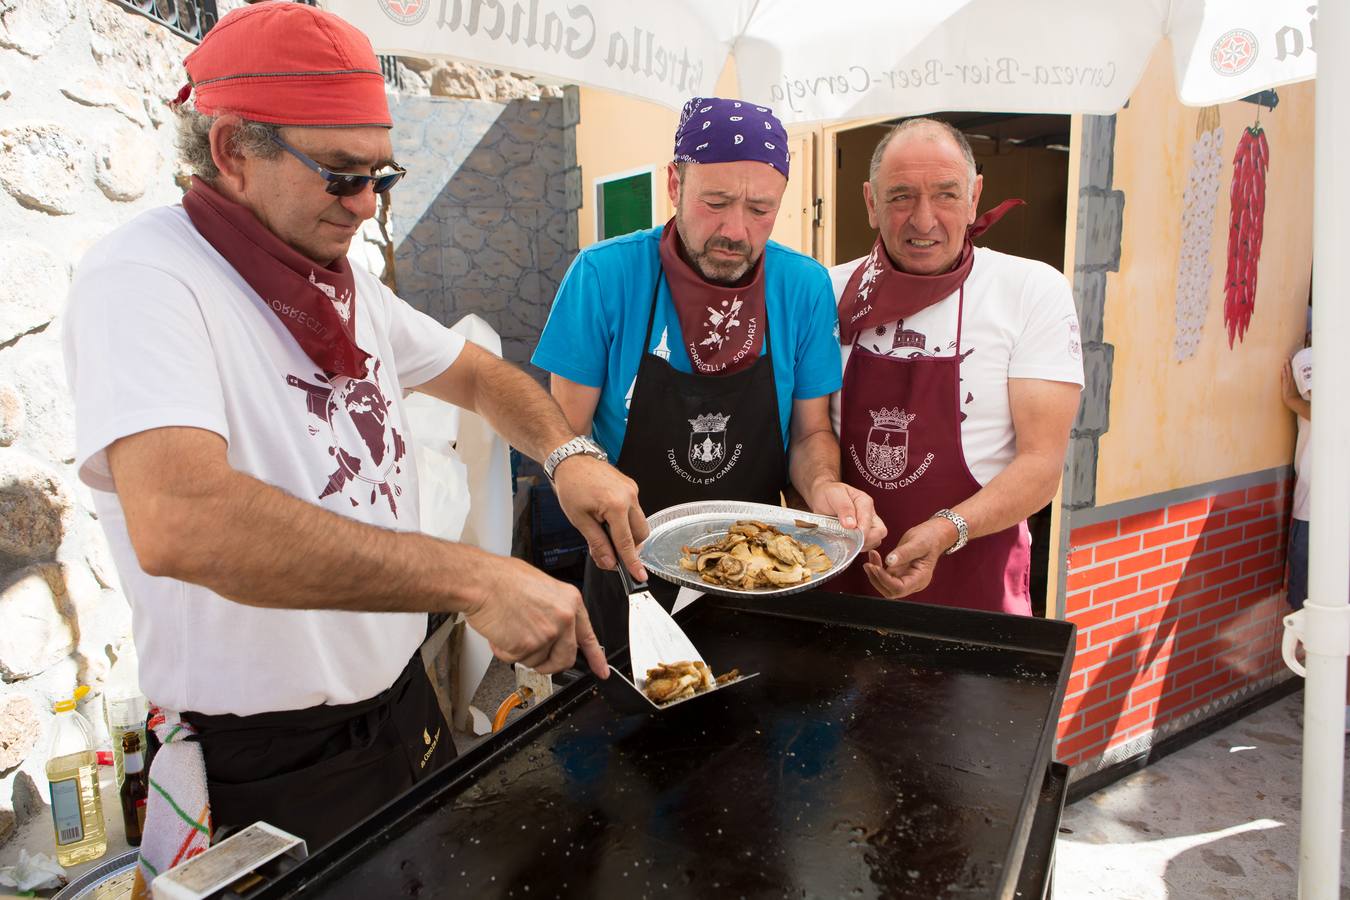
(1302, 366)
(1019, 322)
(162, 331)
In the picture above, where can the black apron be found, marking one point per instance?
(691, 437)
(317, 772)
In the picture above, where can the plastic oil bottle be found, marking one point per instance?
(72, 771)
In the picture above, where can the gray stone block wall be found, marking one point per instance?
(485, 222)
(1101, 211)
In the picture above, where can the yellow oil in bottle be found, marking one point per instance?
(72, 774)
(77, 809)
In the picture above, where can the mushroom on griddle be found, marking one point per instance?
(680, 680)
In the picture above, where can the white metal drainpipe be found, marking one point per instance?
(1324, 623)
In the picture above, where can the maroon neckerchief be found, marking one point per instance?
(317, 304)
(723, 327)
(877, 292)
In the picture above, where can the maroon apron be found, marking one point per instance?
(900, 441)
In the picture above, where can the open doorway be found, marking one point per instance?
(1022, 156)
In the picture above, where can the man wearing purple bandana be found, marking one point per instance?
(701, 355)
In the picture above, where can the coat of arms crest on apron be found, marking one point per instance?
(708, 442)
(888, 443)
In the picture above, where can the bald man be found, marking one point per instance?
(962, 369)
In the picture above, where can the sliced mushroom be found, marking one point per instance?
(730, 567)
(784, 548)
(795, 575)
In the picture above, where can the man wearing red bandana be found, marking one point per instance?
(701, 355)
(962, 369)
(239, 413)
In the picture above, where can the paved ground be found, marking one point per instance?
(1219, 819)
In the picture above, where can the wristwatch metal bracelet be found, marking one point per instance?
(582, 445)
(962, 532)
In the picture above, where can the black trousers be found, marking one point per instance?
(317, 772)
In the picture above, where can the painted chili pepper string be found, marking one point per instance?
(1246, 226)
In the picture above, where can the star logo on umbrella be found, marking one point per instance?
(405, 12)
(1234, 52)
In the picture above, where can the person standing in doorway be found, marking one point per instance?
(962, 370)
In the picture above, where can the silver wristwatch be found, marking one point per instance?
(576, 445)
(962, 532)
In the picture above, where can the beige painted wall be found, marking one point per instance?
(1218, 414)
(618, 134)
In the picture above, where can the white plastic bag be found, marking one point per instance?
(443, 491)
(34, 872)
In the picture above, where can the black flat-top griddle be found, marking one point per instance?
(885, 750)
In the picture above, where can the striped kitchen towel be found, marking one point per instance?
(178, 814)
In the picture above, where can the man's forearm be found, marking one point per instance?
(520, 410)
(814, 459)
(1027, 484)
(258, 545)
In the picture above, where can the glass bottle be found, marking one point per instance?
(135, 787)
(123, 706)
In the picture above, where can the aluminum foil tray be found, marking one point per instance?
(704, 521)
(110, 879)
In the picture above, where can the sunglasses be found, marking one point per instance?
(341, 184)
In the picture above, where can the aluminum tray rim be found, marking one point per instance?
(714, 512)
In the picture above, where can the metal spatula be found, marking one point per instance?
(654, 638)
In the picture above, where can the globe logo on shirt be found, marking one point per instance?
(362, 439)
(359, 414)
(887, 453)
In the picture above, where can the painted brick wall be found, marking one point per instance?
(1176, 608)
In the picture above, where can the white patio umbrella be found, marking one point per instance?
(816, 61)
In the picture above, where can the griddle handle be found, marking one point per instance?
(630, 586)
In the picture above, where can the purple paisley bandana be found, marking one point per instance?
(713, 130)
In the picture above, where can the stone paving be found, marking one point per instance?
(1218, 819)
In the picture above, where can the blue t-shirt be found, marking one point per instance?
(594, 333)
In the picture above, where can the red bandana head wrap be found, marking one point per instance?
(317, 304)
(877, 292)
(287, 64)
(723, 327)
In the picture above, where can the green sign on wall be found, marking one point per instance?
(624, 204)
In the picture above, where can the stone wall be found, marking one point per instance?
(86, 143)
(486, 220)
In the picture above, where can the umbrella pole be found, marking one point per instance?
(1325, 625)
